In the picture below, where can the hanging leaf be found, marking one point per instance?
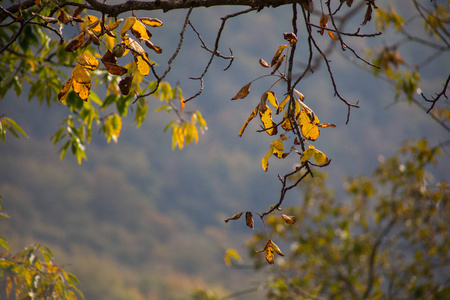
(151, 22)
(278, 64)
(88, 61)
(288, 219)
(277, 54)
(129, 22)
(308, 124)
(94, 23)
(320, 158)
(140, 31)
(269, 249)
(231, 254)
(266, 118)
(283, 104)
(277, 149)
(290, 37)
(307, 154)
(243, 92)
(151, 46)
(234, 217)
(81, 82)
(252, 115)
(75, 43)
(263, 63)
(302, 98)
(112, 127)
(140, 56)
(249, 219)
(323, 23)
(64, 18)
(65, 90)
(110, 62)
(272, 99)
(125, 84)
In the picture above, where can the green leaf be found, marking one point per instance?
(4, 244)
(16, 126)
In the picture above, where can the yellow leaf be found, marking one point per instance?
(274, 246)
(81, 82)
(129, 22)
(94, 23)
(272, 99)
(140, 31)
(249, 219)
(320, 158)
(277, 65)
(112, 127)
(243, 92)
(265, 160)
(114, 25)
(307, 154)
(65, 90)
(266, 119)
(252, 115)
(88, 61)
(229, 254)
(234, 217)
(151, 22)
(278, 148)
(277, 54)
(309, 127)
(269, 254)
(140, 56)
(283, 104)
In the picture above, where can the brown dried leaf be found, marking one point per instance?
(290, 37)
(288, 219)
(263, 63)
(278, 64)
(125, 84)
(234, 217)
(277, 54)
(110, 62)
(368, 15)
(243, 92)
(249, 220)
(75, 43)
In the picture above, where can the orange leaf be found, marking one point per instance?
(65, 90)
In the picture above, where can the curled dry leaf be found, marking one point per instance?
(263, 63)
(270, 248)
(277, 54)
(125, 84)
(110, 62)
(288, 219)
(65, 90)
(249, 220)
(290, 37)
(234, 217)
(75, 43)
(250, 117)
(243, 92)
(278, 64)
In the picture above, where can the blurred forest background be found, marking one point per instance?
(140, 221)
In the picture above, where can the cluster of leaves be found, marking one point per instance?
(27, 276)
(39, 60)
(389, 240)
(297, 118)
(298, 122)
(8, 124)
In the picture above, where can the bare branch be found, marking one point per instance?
(434, 99)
